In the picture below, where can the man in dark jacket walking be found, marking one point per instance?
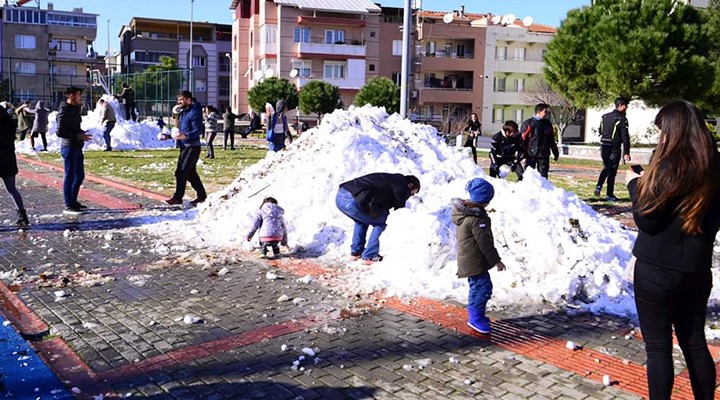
(188, 136)
(613, 134)
(538, 139)
(128, 99)
(367, 200)
(228, 128)
(73, 139)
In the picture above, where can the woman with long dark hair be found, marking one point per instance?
(473, 128)
(676, 206)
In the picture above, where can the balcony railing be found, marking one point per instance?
(336, 49)
(347, 83)
(446, 54)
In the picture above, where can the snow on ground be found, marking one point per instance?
(126, 135)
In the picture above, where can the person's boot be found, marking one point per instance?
(22, 218)
(477, 320)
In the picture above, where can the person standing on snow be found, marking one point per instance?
(190, 128)
(474, 129)
(504, 149)
(8, 162)
(277, 127)
(613, 133)
(367, 200)
(40, 124)
(270, 221)
(108, 122)
(476, 253)
(24, 118)
(128, 100)
(228, 128)
(538, 138)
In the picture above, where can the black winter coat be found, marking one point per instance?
(8, 163)
(68, 125)
(379, 192)
(662, 242)
(614, 131)
(476, 252)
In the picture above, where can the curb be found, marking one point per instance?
(25, 320)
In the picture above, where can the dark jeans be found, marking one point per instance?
(130, 112)
(347, 204)
(74, 163)
(42, 136)
(611, 162)
(11, 188)
(273, 244)
(665, 299)
(209, 138)
(540, 163)
(481, 288)
(471, 144)
(106, 134)
(23, 133)
(186, 171)
(229, 134)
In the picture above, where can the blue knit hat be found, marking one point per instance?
(481, 191)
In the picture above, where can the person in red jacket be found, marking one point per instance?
(676, 206)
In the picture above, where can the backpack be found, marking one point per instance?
(537, 140)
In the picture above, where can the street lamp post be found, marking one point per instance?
(405, 71)
(190, 59)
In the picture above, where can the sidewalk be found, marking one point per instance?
(108, 314)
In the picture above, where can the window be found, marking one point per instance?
(372, 34)
(301, 35)
(334, 36)
(251, 39)
(461, 50)
(25, 67)
(223, 62)
(198, 61)
(199, 85)
(501, 53)
(428, 112)
(334, 70)
(270, 33)
(26, 94)
(519, 85)
(498, 115)
(519, 116)
(69, 70)
(24, 42)
(397, 47)
(304, 68)
(396, 77)
(520, 54)
(66, 45)
(500, 84)
(430, 48)
(371, 67)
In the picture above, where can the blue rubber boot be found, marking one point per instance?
(478, 321)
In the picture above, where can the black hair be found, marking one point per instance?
(185, 94)
(412, 179)
(541, 107)
(269, 200)
(510, 126)
(72, 90)
(621, 101)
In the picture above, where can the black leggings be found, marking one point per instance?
(229, 135)
(471, 144)
(665, 299)
(9, 182)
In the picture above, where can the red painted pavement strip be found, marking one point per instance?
(191, 353)
(90, 195)
(97, 179)
(15, 311)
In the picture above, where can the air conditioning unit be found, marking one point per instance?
(414, 94)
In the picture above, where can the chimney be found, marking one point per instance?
(462, 11)
(50, 6)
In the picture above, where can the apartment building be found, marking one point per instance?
(44, 51)
(513, 66)
(301, 40)
(144, 40)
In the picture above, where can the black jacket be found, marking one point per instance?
(504, 147)
(538, 138)
(68, 125)
(476, 252)
(8, 125)
(379, 192)
(614, 131)
(473, 126)
(662, 242)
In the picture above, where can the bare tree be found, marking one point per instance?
(563, 112)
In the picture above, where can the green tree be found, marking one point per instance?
(711, 101)
(380, 92)
(319, 97)
(270, 91)
(653, 50)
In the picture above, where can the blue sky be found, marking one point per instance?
(119, 12)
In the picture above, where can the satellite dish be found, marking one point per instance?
(448, 18)
(269, 73)
(293, 72)
(257, 75)
(527, 21)
(510, 19)
(495, 19)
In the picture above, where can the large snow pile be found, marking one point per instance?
(126, 135)
(556, 248)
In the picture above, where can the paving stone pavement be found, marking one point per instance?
(130, 338)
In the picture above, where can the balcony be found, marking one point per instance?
(334, 49)
(509, 98)
(519, 66)
(349, 83)
(446, 95)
